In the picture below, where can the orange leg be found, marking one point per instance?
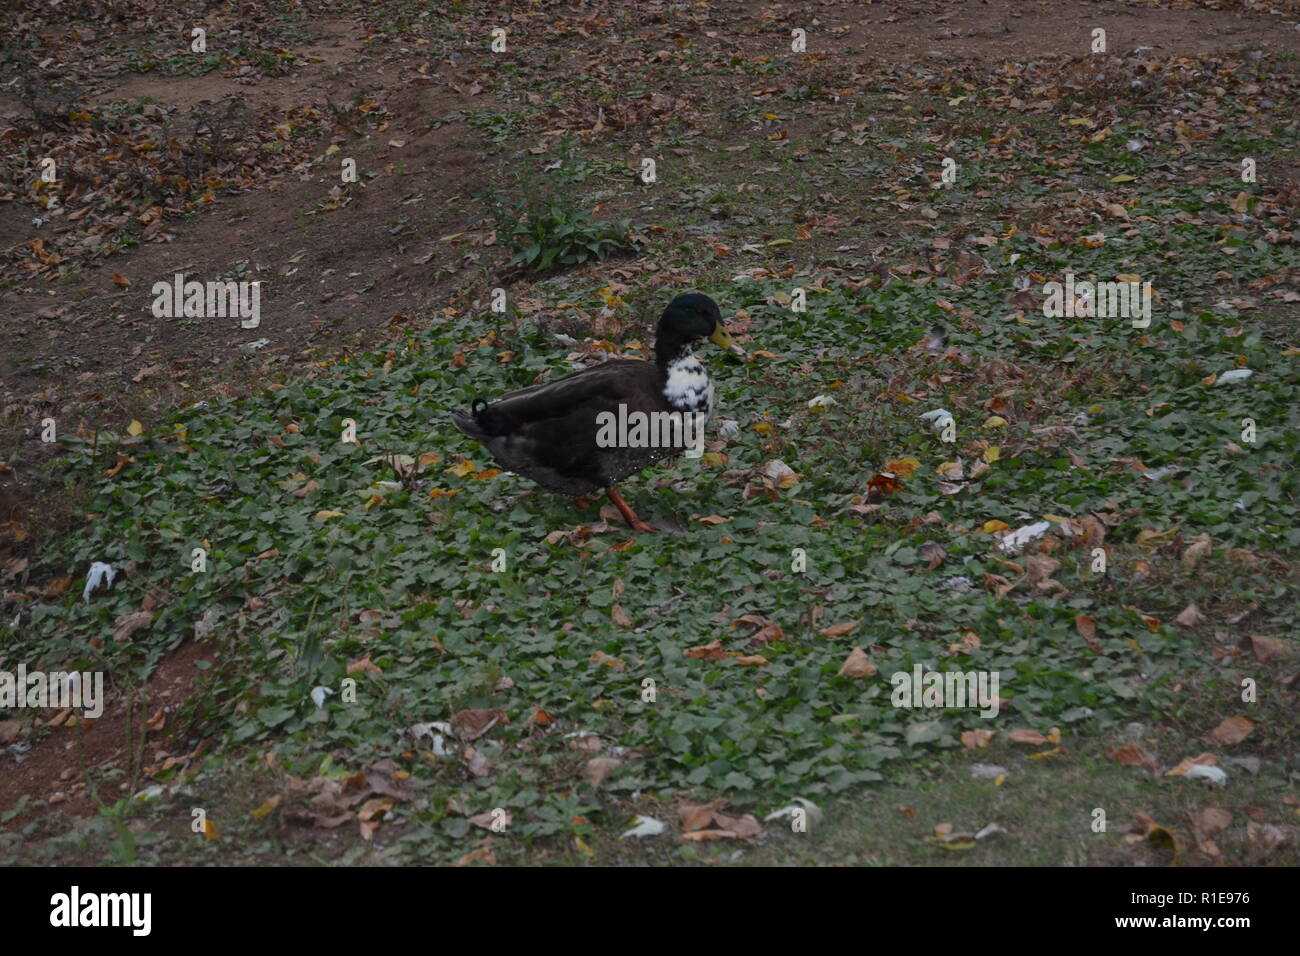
(628, 514)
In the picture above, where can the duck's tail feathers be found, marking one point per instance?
(482, 421)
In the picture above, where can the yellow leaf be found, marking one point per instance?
(995, 421)
(903, 467)
(322, 515)
(995, 525)
(1127, 277)
(1122, 178)
(462, 469)
(992, 453)
(1148, 538)
(270, 804)
(134, 428)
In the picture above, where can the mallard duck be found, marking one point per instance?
(558, 433)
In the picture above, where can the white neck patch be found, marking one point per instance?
(688, 387)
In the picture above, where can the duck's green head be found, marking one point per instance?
(689, 319)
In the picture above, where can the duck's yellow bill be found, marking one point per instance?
(721, 337)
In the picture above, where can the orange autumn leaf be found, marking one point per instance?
(364, 664)
(1206, 759)
(884, 483)
(709, 652)
(122, 462)
(902, 467)
(1031, 737)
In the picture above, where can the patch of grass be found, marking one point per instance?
(557, 235)
(1079, 808)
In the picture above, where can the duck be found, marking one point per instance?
(565, 434)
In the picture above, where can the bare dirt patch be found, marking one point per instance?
(51, 770)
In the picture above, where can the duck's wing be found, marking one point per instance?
(548, 432)
(590, 391)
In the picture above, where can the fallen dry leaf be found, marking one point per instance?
(127, 624)
(1133, 755)
(697, 816)
(765, 631)
(620, 616)
(122, 461)
(1210, 820)
(1233, 730)
(482, 855)
(1198, 549)
(1264, 648)
(857, 664)
(599, 768)
(1086, 625)
(1208, 760)
(1031, 737)
(488, 820)
(710, 652)
(472, 724)
(364, 664)
(1189, 616)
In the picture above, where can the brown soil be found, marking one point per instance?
(52, 770)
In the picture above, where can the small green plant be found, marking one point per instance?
(558, 236)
